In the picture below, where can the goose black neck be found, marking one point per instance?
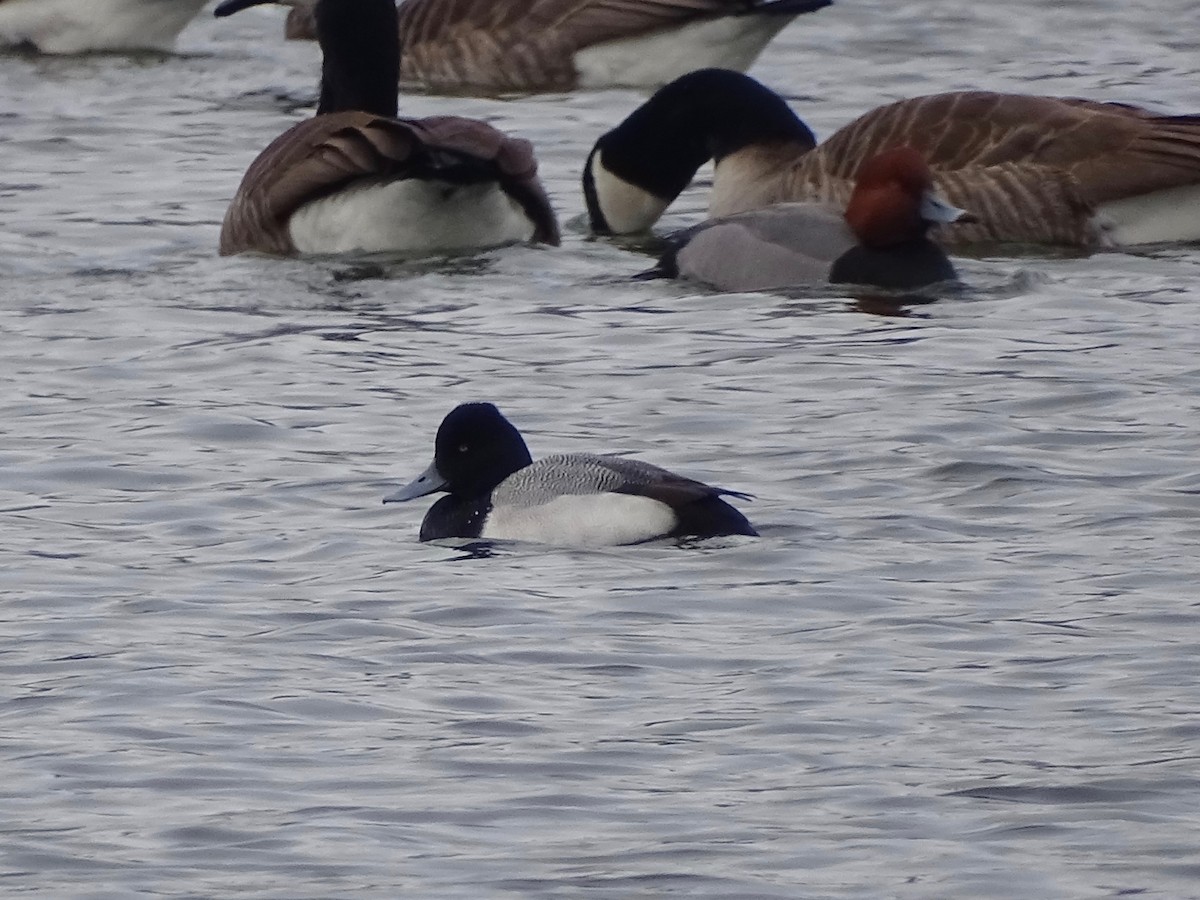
(706, 114)
(361, 48)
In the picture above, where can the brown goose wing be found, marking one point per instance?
(587, 21)
(1109, 150)
(513, 159)
(309, 160)
(1011, 202)
(1016, 203)
(322, 155)
(596, 21)
(527, 45)
(300, 24)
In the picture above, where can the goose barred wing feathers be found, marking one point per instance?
(324, 154)
(528, 46)
(1110, 150)
(1029, 168)
(585, 22)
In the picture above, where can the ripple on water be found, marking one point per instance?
(959, 662)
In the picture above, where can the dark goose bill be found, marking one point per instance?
(229, 7)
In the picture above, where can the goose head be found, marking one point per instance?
(635, 170)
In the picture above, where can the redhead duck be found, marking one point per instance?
(560, 45)
(94, 26)
(880, 239)
(496, 491)
(1041, 170)
(355, 178)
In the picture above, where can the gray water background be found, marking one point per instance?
(960, 662)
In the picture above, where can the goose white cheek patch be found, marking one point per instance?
(626, 207)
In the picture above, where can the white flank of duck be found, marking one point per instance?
(582, 520)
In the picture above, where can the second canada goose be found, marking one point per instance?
(355, 178)
(880, 240)
(1041, 170)
(560, 45)
(91, 26)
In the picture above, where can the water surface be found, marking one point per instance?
(960, 662)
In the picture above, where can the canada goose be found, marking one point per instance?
(560, 45)
(880, 239)
(496, 491)
(1031, 169)
(354, 178)
(89, 26)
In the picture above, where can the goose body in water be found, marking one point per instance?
(1031, 169)
(560, 45)
(357, 179)
(94, 26)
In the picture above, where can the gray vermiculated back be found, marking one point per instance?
(578, 473)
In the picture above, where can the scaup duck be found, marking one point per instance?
(880, 239)
(1041, 170)
(496, 491)
(561, 45)
(355, 178)
(94, 26)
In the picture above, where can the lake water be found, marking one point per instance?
(961, 661)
